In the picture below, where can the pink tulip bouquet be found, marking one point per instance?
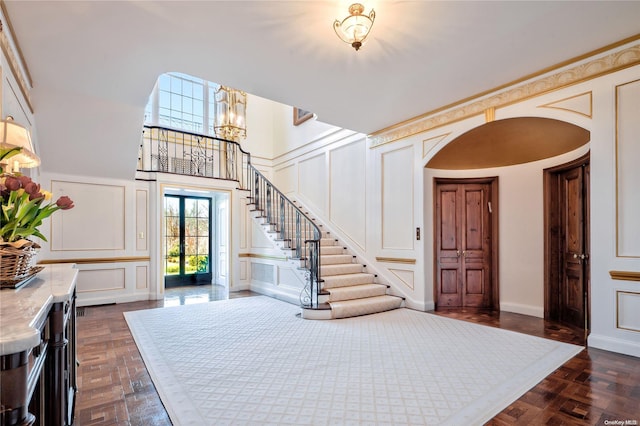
(24, 206)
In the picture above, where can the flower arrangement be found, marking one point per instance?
(24, 207)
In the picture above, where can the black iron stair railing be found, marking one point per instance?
(175, 151)
(295, 230)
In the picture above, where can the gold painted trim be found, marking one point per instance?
(590, 94)
(27, 73)
(618, 311)
(92, 260)
(490, 114)
(13, 61)
(625, 275)
(396, 260)
(437, 140)
(263, 256)
(616, 153)
(465, 108)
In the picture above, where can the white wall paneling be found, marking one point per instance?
(405, 276)
(628, 172)
(348, 179)
(92, 280)
(95, 223)
(142, 277)
(142, 215)
(628, 306)
(285, 179)
(397, 199)
(312, 178)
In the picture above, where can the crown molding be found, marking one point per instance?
(513, 92)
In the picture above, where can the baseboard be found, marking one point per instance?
(612, 344)
(108, 300)
(292, 296)
(517, 308)
(418, 305)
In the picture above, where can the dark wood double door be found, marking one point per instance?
(567, 243)
(466, 243)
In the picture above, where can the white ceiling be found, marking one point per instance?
(94, 63)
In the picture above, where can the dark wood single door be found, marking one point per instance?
(574, 252)
(463, 245)
(567, 244)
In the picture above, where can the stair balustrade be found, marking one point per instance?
(296, 231)
(180, 152)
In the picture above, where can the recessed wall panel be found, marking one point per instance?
(142, 215)
(628, 172)
(312, 174)
(348, 190)
(628, 304)
(142, 281)
(397, 199)
(101, 280)
(95, 223)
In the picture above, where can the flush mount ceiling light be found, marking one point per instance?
(355, 28)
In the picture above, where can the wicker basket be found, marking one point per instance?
(16, 263)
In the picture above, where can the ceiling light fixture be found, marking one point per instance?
(355, 28)
(230, 114)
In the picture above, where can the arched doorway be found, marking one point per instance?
(497, 145)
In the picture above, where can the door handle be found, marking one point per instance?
(457, 253)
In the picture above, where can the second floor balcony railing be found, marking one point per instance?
(179, 152)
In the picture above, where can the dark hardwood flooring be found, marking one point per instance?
(594, 388)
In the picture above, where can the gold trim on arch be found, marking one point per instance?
(625, 275)
(466, 108)
(396, 260)
(92, 260)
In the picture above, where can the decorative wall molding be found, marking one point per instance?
(396, 260)
(405, 276)
(627, 306)
(625, 275)
(23, 80)
(263, 256)
(430, 143)
(92, 260)
(581, 104)
(613, 62)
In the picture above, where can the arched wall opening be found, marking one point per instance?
(516, 151)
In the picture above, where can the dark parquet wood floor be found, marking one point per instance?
(594, 388)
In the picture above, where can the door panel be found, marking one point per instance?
(572, 309)
(463, 245)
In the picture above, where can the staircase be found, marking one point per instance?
(337, 285)
(347, 290)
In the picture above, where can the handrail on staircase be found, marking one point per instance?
(296, 231)
(181, 152)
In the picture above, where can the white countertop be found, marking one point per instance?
(22, 309)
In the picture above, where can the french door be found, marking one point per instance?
(187, 240)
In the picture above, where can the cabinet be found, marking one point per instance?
(38, 350)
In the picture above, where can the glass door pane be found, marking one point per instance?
(187, 239)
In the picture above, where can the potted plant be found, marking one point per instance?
(24, 206)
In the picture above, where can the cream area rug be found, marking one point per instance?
(251, 361)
